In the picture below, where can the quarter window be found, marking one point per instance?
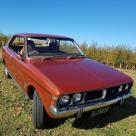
(17, 45)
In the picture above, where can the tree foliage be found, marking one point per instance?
(120, 55)
(3, 39)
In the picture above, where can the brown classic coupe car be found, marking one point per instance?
(53, 72)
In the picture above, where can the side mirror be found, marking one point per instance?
(20, 57)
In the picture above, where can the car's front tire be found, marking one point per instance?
(6, 72)
(39, 115)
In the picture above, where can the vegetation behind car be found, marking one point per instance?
(119, 56)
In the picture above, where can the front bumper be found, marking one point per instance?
(84, 108)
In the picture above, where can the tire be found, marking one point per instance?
(39, 115)
(6, 72)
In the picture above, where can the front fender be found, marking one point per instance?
(46, 98)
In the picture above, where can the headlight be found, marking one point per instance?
(64, 100)
(121, 88)
(127, 86)
(77, 97)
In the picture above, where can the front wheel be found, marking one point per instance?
(39, 115)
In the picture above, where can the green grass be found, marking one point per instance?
(15, 116)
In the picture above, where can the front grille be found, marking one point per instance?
(98, 95)
(93, 96)
(111, 93)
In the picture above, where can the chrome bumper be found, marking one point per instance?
(60, 114)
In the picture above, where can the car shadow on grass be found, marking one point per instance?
(54, 123)
(116, 114)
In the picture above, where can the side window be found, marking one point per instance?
(17, 45)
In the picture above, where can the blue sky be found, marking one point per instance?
(104, 21)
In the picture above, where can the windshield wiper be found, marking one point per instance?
(46, 58)
(75, 56)
(70, 56)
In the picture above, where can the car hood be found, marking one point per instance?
(77, 75)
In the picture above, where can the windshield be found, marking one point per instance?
(42, 46)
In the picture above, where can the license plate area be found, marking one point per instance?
(99, 111)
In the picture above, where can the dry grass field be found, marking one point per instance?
(15, 116)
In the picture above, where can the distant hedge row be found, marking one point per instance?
(117, 56)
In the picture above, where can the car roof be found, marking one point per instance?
(41, 35)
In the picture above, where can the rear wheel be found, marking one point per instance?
(6, 72)
(39, 115)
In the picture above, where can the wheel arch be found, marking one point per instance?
(44, 95)
(3, 61)
(30, 91)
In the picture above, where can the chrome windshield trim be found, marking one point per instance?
(76, 44)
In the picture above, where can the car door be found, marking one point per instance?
(20, 64)
(15, 64)
(11, 51)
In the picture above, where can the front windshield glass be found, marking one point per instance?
(42, 46)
